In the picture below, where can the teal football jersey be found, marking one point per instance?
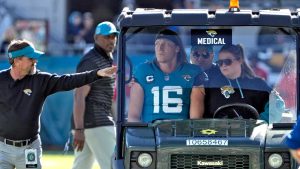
(167, 96)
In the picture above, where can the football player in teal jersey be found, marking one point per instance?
(168, 87)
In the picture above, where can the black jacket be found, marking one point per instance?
(221, 91)
(21, 101)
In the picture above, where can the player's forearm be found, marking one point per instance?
(136, 103)
(135, 110)
(197, 103)
(197, 113)
(133, 118)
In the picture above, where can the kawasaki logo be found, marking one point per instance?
(209, 163)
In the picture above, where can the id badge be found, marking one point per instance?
(31, 158)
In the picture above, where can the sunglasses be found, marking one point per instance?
(226, 62)
(203, 55)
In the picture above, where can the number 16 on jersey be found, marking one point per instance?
(167, 100)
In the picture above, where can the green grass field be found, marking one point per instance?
(57, 160)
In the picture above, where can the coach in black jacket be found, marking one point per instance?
(23, 90)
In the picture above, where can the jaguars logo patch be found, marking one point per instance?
(187, 77)
(211, 33)
(227, 91)
(27, 92)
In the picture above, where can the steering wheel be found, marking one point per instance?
(236, 110)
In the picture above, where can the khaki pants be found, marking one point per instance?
(14, 157)
(99, 144)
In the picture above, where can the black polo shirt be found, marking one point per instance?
(98, 109)
(21, 101)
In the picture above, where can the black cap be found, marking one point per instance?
(168, 34)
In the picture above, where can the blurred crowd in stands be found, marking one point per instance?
(81, 24)
(80, 27)
(32, 30)
(80, 30)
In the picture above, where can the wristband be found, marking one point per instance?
(79, 129)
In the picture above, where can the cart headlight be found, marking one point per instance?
(275, 160)
(144, 160)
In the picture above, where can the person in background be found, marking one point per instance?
(74, 27)
(203, 57)
(87, 33)
(10, 34)
(168, 87)
(239, 84)
(177, 4)
(23, 91)
(192, 4)
(94, 133)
